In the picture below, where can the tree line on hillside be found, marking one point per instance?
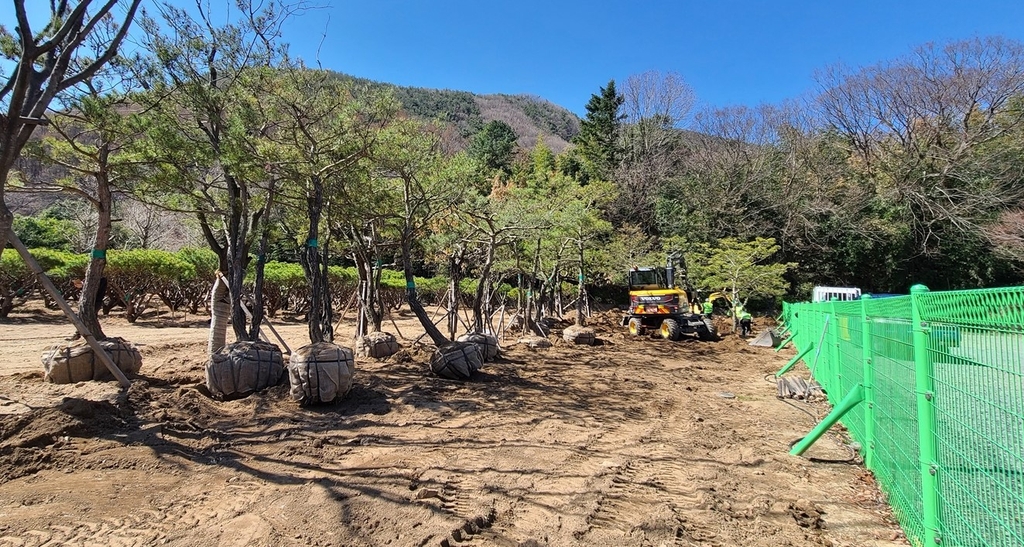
(907, 171)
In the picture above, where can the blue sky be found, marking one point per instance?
(730, 51)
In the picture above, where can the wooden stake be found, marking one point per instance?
(392, 319)
(351, 299)
(97, 349)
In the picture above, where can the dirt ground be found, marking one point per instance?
(632, 442)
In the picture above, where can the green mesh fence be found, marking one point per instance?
(942, 420)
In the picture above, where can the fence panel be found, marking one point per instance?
(977, 346)
(975, 358)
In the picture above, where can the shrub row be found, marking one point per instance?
(183, 280)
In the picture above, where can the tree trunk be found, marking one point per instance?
(236, 279)
(94, 284)
(454, 276)
(536, 294)
(6, 217)
(314, 265)
(482, 291)
(362, 295)
(257, 295)
(410, 292)
(581, 293)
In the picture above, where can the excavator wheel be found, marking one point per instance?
(670, 329)
(636, 328)
(709, 333)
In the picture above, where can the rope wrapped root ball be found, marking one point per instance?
(377, 345)
(488, 343)
(76, 362)
(457, 360)
(580, 335)
(321, 373)
(243, 368)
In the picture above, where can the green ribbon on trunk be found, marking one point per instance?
(99, 254)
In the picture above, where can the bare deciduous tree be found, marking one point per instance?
(655, 104)
(924, 126)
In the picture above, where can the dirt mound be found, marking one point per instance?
(606, 322)
(32, 442)
(73, 417)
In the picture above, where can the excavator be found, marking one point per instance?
(716, 296)
(658, 303)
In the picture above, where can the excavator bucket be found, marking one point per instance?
(767, 339)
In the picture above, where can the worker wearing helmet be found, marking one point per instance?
(709, 307)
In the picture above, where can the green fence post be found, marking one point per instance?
(835, 368)
(794, 360)
(925, 388)
(855, 396)
(868, 448)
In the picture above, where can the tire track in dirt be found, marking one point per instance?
(175, 515)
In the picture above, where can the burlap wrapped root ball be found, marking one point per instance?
(577, 334)
(244, 367)
(488, 343)
(321, 373)
(76, 362)
(378, 345)
(457, 360)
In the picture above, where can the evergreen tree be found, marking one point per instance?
(494, 146)
(599, 131)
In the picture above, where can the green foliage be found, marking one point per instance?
(204, 262)
(743, 268)
(192, 291)
(343, 276)
(282, 274)
(45, 230)
(457, 107)
(16, 282)
(494, 146)
(598, 138)
(141, 268)
(626, 248)
(284, 286)
(542, 166)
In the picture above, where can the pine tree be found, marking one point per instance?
(599, 131)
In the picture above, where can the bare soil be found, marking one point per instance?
(634, 442)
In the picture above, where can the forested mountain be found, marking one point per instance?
(529, 116)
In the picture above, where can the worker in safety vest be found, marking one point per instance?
(745, 320)
(709, 308)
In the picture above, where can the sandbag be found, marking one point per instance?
(457, 360)
(76, 362)
(580, 335)
(321, 372)
(535, 342)
(378, 345)
(244, 367)
(488, 343)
